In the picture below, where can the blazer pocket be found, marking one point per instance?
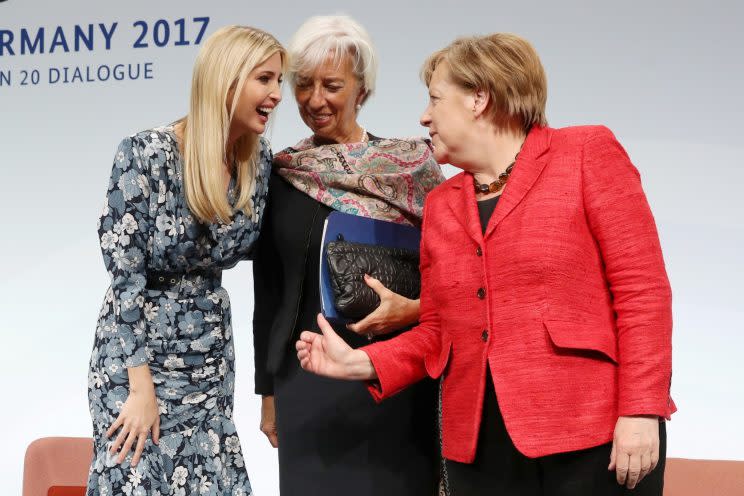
(436, 363)
(582, 336)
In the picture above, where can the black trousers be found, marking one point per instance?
(501, 469)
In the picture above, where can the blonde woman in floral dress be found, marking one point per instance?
(184, 203)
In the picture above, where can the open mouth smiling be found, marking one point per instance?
(264, 111)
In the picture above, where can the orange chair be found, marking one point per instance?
(57, 466)
(684, 477)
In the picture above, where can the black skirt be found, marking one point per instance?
(334, 438)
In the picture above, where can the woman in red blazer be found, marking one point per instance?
(545, 303)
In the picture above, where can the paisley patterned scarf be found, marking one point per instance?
(385, 179)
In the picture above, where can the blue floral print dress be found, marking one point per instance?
(181, 328)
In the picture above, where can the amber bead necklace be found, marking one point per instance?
(498, 184)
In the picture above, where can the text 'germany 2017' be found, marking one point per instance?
(17, 46)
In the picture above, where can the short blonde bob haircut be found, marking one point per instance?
(339, 36)
(504, 65)
(223, 64)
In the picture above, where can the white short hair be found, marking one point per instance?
(322, 36)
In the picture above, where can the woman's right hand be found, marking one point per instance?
(268, 420)
(328, 355)
(139, 415)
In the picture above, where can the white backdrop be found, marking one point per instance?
(665, 76)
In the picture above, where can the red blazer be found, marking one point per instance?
(565, 298)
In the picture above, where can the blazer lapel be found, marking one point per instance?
(461, 200)
(527, 169)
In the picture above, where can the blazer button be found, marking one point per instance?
(478, 251)
(481, 293)
(484, 335)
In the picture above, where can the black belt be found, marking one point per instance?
(167, 280)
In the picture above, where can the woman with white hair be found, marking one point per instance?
(331, 436)
(184, 202)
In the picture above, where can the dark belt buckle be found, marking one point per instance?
(162, 280)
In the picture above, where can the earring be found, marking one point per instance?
(358, 107)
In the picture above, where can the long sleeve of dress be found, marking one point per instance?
(124, 229)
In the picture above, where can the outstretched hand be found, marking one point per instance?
(328, 355)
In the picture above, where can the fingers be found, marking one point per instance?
(156, 431)
(635, 450)
(270, 433)
(329, 335)
(634, 471)
(654, 457)
(376, 286)
(123, 433)
(307, 340)
(127, 446)
(114, 426)
(139, 415)
(126, 439)
(631, 469)
(622, 462)
(274, 440)
(365, 325)
(138, 450)
(304, 344)
(303, 347)
(645, 466)
(371, 322)
(325, 327)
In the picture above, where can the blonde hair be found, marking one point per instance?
(339, 36)
(223, 64)
(504, 65)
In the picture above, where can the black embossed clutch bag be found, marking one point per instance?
(396, 268)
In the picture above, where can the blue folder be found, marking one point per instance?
(358, 229)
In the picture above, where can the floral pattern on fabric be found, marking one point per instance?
(182, 331)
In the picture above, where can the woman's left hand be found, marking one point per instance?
(394, 312)
(635, 448)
